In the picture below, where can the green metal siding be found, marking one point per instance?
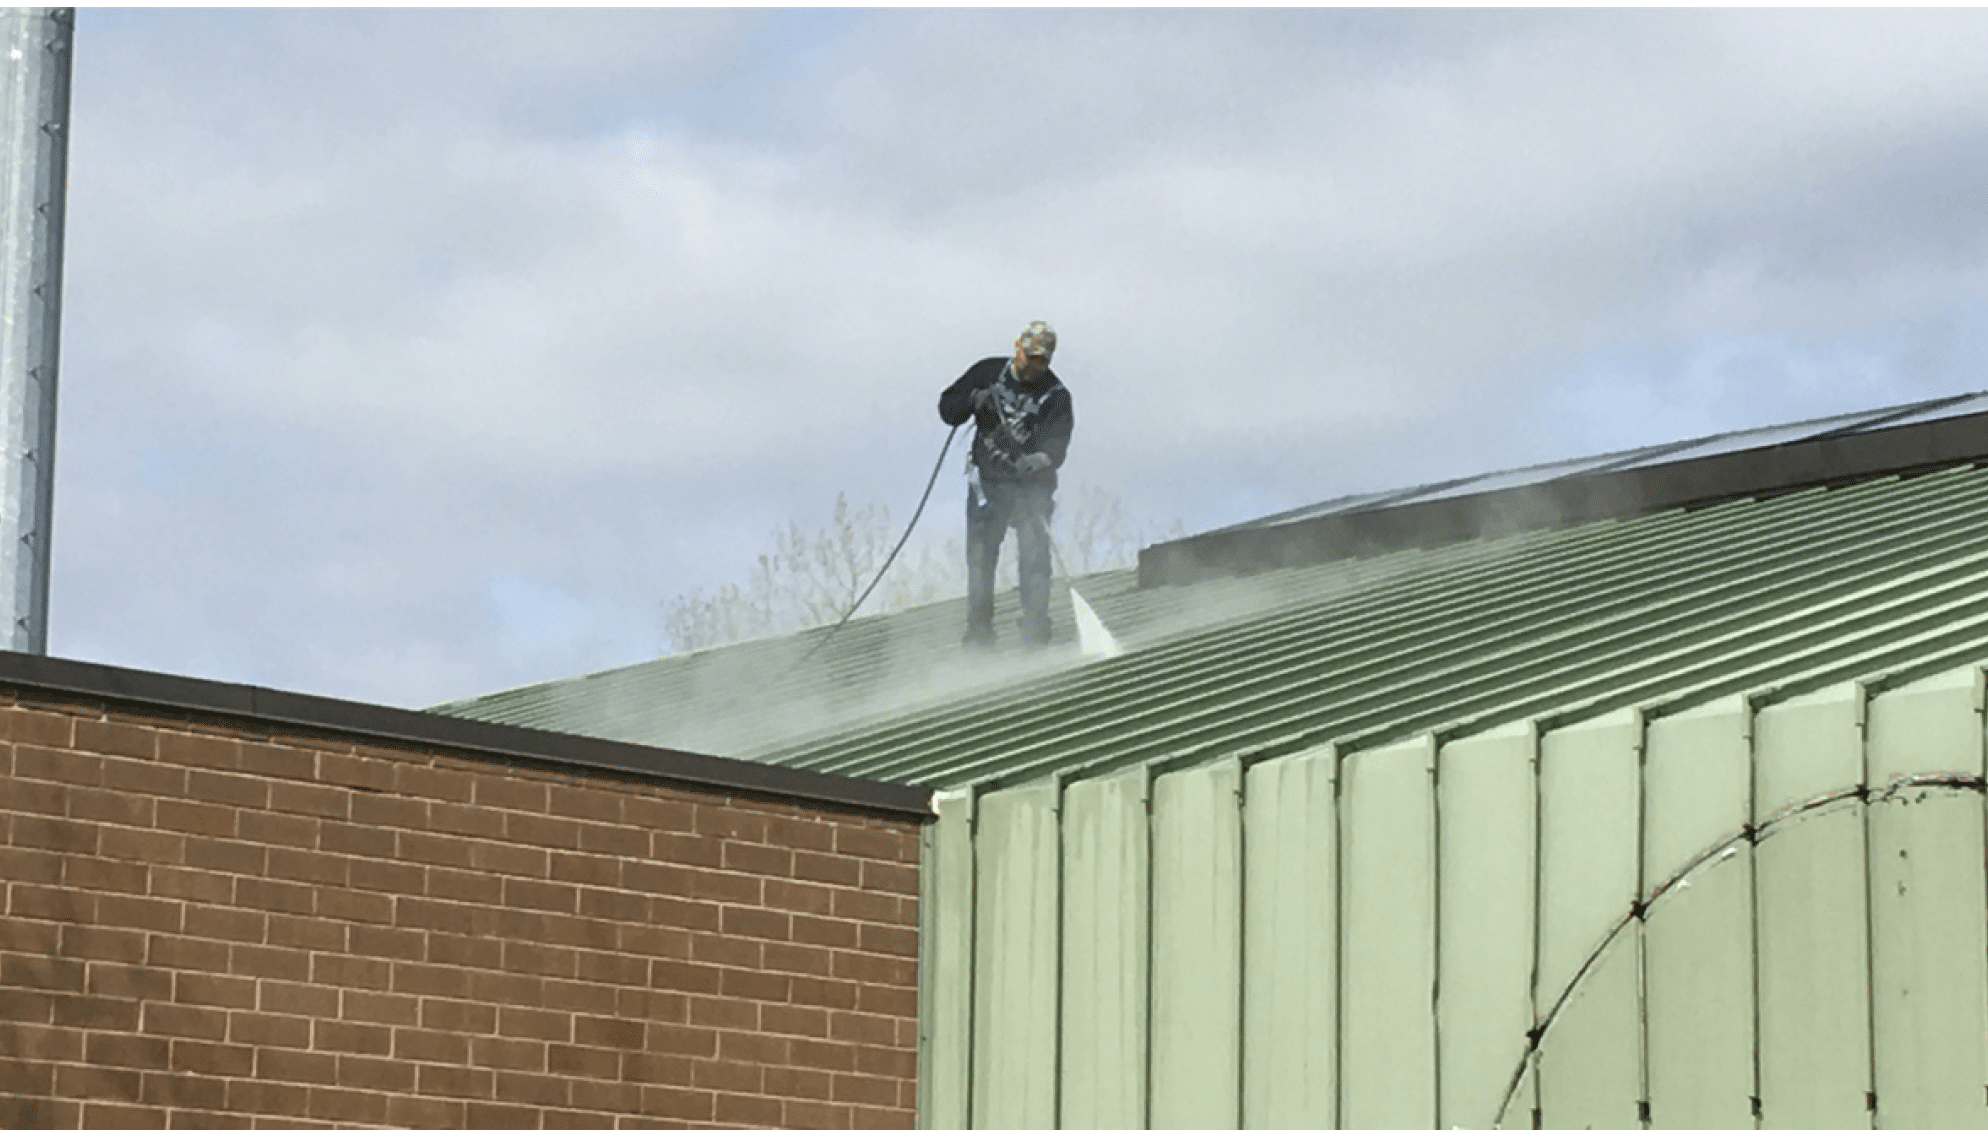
(1197, 949)
(1389, 962)
(1674, 822)
(1016, 956)
(1291, 941)
(1699, 953)
(1488, 860)
(1698, 991)
(1591, 1060)
(1590, 828)
(1105, 953)
(1815, 1046)
(1694, 905)
(1928, 899)
(946, 942)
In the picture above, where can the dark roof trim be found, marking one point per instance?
(1816, 461)
(459, 735)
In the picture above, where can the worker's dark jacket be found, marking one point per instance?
(1030, 417)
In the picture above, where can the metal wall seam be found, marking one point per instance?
(1146, 924)
(1057, 786)
(1433, 749)
(972, 952)
(1861, 699)
(929, 893)
(1338, 937)
(946, 962)
(1239, 849)
(1641, 729)
(1534, 1037)
(1979, 695)
(1750, 712)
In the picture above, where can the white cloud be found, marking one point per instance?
(595, 299)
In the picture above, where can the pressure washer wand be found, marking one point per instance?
(1093, 638)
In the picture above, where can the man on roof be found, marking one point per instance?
(1022, 422)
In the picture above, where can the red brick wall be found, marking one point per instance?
(212, 928)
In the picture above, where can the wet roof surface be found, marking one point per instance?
(1827, 582)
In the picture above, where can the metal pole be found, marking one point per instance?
(35, 49)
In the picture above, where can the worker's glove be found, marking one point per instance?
(1035, 462)
(983, 398)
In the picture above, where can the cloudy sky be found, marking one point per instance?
(413, 355)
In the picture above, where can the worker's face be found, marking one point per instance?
(1030, 368)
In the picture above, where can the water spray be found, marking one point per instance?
(1094, 640)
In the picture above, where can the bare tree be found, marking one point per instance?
(809, 579)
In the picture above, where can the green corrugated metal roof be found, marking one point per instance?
(754, 699)
(1818, 584)
(1796, 591)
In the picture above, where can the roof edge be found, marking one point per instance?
(1816, 461)
(542, 748)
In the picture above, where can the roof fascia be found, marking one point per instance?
(540, 748)
(1753, 472)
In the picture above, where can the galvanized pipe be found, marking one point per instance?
(35, 46)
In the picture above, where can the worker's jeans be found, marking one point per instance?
(997, 506)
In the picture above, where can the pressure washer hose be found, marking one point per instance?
(937, 466)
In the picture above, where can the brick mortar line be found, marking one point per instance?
(474, 839)
(175, 1041)
(343, 1088)
(310, 951)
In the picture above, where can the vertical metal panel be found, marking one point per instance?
(1698, 768)
(1388, 1055)
(1197, 948)
(1015, 955)
(1290, 942)
(1807, 748)
(1814, 1030)
(1930, 727)
(1104, 953)
(1698, 954)
(1928, 930)
(1928, 941)
(1589, 1060)
(1589, 812)
(1486, 794)
(946, 967)
(34, 138)
(1698, 943)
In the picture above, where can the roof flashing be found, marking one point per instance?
(1838, 455)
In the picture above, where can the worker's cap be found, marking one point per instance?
(1037, 340)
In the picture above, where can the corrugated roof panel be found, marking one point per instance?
(1859, 578)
